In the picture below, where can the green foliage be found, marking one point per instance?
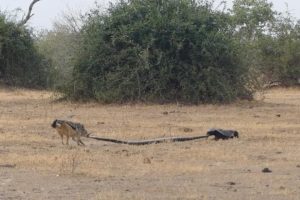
(269, 41)
(252, 18)
(157, 51)
(281, 54)
(20, 63)
(163, 51)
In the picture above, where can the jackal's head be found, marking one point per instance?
(54, 124)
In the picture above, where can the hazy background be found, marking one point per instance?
(48, 10)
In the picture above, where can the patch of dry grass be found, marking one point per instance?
(269, 130)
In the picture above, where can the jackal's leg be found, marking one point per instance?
(67, 140)
(81, 142)
(62, 138)
(74, 139)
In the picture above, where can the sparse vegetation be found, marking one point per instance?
(61, 46)
(183, 52)
(269, 138)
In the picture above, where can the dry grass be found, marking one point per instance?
(269, 129)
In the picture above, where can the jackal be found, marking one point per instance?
(70, 129)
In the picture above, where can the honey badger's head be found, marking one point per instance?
(236, 134)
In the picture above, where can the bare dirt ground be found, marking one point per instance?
(35, 165)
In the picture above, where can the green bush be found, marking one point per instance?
(20, 63)
(159, 51)
(281, 55)
(269, 41)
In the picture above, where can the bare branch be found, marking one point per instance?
(72, 19)
(29, 15)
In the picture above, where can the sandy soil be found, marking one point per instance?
(35, 165)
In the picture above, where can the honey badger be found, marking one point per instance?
(70, 129)
(222, 134)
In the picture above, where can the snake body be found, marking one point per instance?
(151, 141)
(217, 133)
